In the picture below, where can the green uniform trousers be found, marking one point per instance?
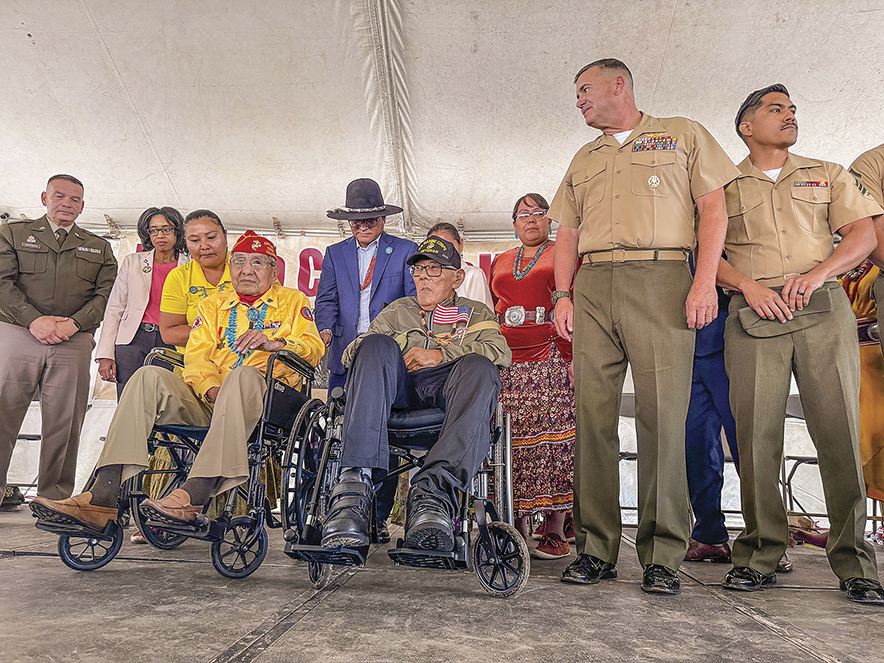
(154, 395)
(632, 312)
(825, 360)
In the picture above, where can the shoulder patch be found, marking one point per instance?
(307, 314)
(197, 323)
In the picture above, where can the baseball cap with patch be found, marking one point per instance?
(252, 242)
(438, 250)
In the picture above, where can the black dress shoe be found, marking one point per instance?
(428, 524)
(744, 579)
(346, 525)
(659, 579)
(863, 590)
(588, 570)
(383, 533)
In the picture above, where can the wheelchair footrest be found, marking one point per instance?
(205, 529)
(337, 556)
(429, 559)
(59, 523)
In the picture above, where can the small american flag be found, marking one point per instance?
(451, 315)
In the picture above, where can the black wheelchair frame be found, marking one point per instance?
(497, 553)
(239, 543)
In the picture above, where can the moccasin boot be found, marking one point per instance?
(174, 509)
(76, 510)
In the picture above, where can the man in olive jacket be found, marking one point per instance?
(431, 350)
(55, 279)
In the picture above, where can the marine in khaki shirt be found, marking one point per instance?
(868, 169)
(790, 315)
(627, 208)
(55, 279)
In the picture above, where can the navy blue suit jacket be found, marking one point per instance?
(337, 297)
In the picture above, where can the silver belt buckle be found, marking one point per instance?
(514, 316)
(874, 332)
(539, 315)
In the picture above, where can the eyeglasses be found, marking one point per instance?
(536, 215)
(256, 263)
(365, 223)
(433, 271)
(165, 230)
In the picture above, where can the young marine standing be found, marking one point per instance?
(789, 316)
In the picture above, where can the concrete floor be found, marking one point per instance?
(151, 605)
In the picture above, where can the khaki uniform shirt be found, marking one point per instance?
(38, 278)
(641, 194)
(477, 331)
(868, 169)
(784, 228)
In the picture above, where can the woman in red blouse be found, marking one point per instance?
(537, 389)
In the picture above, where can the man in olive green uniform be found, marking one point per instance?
(868, 169)
(790, 315)
(626, 208)
(55, 279)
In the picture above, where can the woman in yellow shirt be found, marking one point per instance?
(189, 284)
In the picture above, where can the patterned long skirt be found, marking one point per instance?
(540, 402)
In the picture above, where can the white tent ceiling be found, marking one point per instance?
(261, 109)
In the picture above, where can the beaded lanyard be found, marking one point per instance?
(518, 272)
(442, 339)
(256, 321)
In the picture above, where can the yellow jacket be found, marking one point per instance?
(208, 358)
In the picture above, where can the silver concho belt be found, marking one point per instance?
(516, 316)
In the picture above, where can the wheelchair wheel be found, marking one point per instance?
(320, 574)
(301, 462)
(242, 549)
(509, 575)
(87, 553)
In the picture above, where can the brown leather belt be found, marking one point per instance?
(630, 255)
(516, 316)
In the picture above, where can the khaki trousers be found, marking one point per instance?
(632, 312)
(61, 373)
(155, 395)
(825, 361)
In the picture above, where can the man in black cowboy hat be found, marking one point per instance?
(359, 276)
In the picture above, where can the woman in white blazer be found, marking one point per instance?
(131, 320)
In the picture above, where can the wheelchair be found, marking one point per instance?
(239, 543)
(494, 549)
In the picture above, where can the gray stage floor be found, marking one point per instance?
(151, 605)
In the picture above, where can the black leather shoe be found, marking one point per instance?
(659, 579)
(428, 524)
(588, 570)
(347, 523)
(744, 579)
(383, 533)
(863, 590)
(785, 564)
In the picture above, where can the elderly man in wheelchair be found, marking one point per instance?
(223, 389)
(432, 350)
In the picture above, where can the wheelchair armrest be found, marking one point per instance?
(293, 361)
(165, 354)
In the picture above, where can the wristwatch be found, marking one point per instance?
(559, 294)
(76, 324)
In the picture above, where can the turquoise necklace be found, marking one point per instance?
(518, 272)
(256, 321)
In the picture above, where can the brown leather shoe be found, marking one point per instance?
(175, 508)
(76, 510)
(712, 552)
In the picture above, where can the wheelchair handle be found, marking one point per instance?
(166, 354)
(293, 361)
